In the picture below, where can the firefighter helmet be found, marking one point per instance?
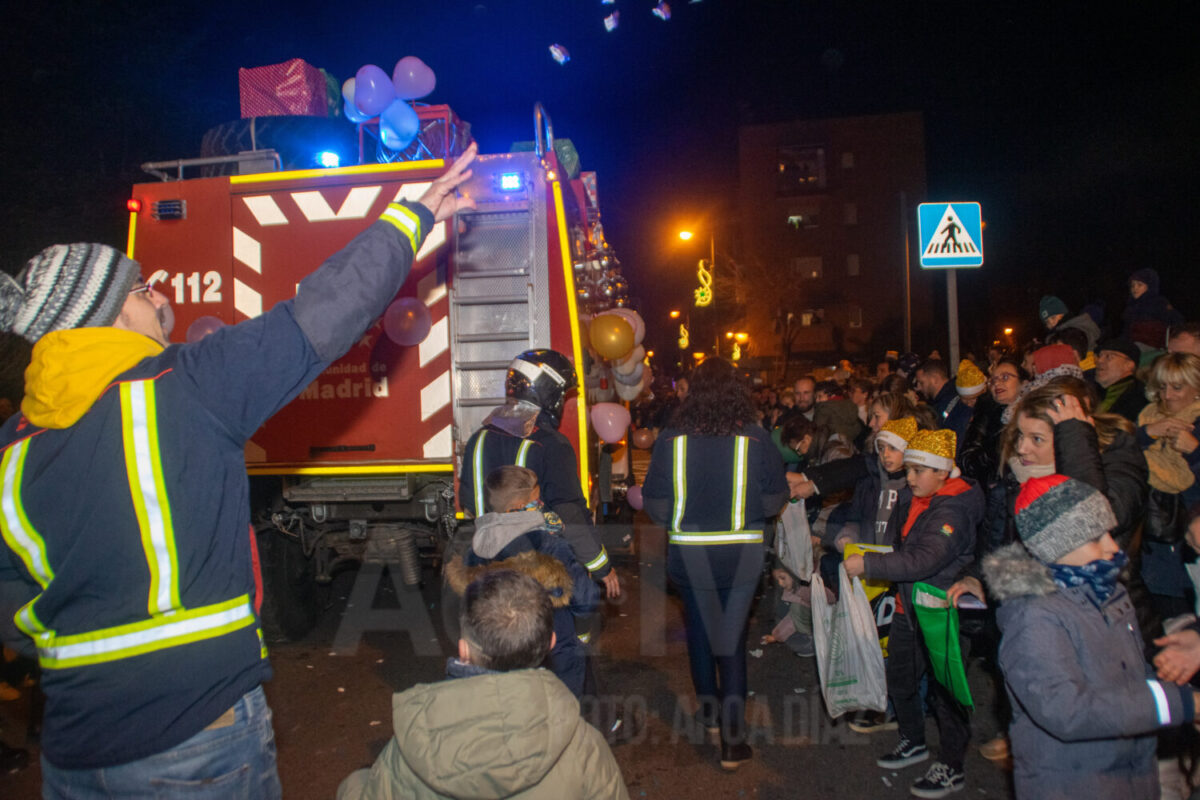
(543, 378)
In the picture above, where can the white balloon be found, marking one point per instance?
(636, 356)
(629, 393)
(631, 378)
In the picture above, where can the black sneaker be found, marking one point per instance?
(941, 780)
(905, 754)
(711, 726)
(734, 755)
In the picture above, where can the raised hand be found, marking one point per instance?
(440, 197)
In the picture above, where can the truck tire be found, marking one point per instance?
(296, 139)
(289, 607)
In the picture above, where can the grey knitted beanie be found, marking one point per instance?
(1056, 514)
(66, 286)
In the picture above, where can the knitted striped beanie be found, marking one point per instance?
(66, 286)
(1056, 514)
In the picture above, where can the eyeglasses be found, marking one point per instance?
(1003, 377)
(141, 287)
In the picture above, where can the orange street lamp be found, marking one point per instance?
(674, 314)
(728, 334)
(1008, 331)
(685, 235)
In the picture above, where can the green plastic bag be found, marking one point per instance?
(939, 625)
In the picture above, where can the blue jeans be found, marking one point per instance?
(236, 762)
(715, 620)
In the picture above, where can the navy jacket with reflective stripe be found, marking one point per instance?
(211, 397)
(710, 500)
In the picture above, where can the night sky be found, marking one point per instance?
(1076, 128)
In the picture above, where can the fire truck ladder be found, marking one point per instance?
(500, 296)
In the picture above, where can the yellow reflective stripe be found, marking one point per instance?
(262, 644)
(740, 447)
(477, 474)
(143, 463)
(714, 537)
(27, 621)
(160, 633)
(523, 451)
(19, 533)
(680, 469)
(584, 637)
(405, 221)
(597, 562)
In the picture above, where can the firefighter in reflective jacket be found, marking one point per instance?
(125, 504)
(524, 431)
(713, 481)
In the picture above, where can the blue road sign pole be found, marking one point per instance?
(952, 313)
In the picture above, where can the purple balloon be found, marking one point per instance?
(202, 327)
(373, 91)
(407, 321)
(412, 78)
(398, 125)
(633, 495)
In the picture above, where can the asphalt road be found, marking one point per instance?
(331, 697)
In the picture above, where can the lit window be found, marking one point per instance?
(852, 265)
(801, 169)
(847, 160)
(855, 316)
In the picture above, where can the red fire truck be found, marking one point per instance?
(361, 466)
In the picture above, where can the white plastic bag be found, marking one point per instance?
(849, 661)
(793, 540)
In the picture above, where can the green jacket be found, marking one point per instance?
(499, 735)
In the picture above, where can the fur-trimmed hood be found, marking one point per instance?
(545, 569)
(1011, 572)
(494, 532)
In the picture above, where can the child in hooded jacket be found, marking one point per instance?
(517, 533)
(1086, 706)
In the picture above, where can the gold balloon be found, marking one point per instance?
(611, 335)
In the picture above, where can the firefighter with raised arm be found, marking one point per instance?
(524, 431)
(126, 507)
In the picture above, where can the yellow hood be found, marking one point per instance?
(71, 369)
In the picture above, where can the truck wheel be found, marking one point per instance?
(289, 607)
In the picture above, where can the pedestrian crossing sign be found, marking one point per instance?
(951, 235)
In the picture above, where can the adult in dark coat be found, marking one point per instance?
(1100, 450)
(934, 384)
(1120, 390)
